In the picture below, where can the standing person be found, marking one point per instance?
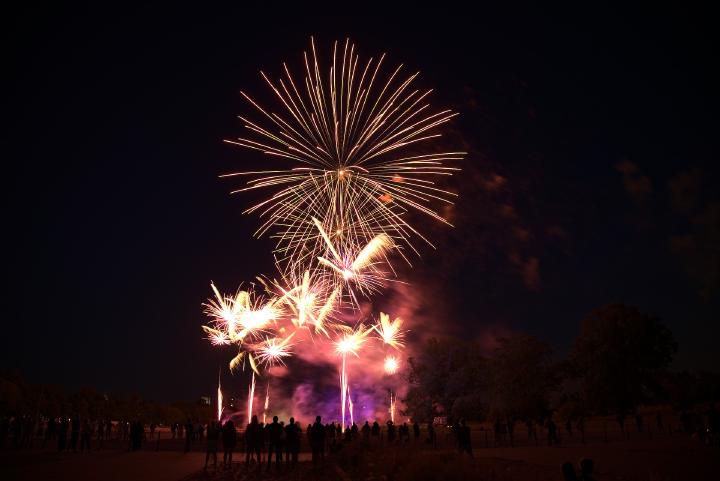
(432, 437)
(416, 431)
(62, 434)
(552, 432)
(229, 440)
(213, 435)
(366, 431)
(390, 432)
(253, 441)
(375, 431)
(317, 440)
(274, 434)
(137, 430)
(293, 434)
(188, 435)
(581, 428)
(85, 434)
(74, 433)
(466, 438)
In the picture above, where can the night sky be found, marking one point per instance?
(591, 178)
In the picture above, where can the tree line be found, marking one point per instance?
(619, 361)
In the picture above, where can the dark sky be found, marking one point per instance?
(591, 177)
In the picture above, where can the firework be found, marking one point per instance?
(272, 351)
(353, 147)
(353, 266)
(310, 298)
(391, 365)
(389, 331)
(349, 343)
(355, 156)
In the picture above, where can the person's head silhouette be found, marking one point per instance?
(568, 471)
(292, 420)
(318, 419)
(586, 467)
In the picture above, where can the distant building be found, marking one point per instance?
(205, 400)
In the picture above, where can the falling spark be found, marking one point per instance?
(391, 365)
(389, 331)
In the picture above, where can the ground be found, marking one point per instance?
(642, 457)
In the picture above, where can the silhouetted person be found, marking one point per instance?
(586, 470)
(213, 436)
(639, 423)
(568, 471)
(354, 430)
(74, 433)
(390, 432)
(293, 433)
(552, 432)
(317, 441)
(365, 431)
(432, 437)
(137, 430)
(416, 431)
(253, 441)
(62, 434)
(274, 433)
(568, 427)
(581, 428)
(465, 438)
(229, 440)
(375, 431)
(188, 435)
(85, 434)
(621, 423)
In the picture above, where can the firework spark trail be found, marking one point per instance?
(219, 398)
(349, 343)
(348, 136)
(350, 406)
(251, 397)
(392, 407)
(267, 400)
